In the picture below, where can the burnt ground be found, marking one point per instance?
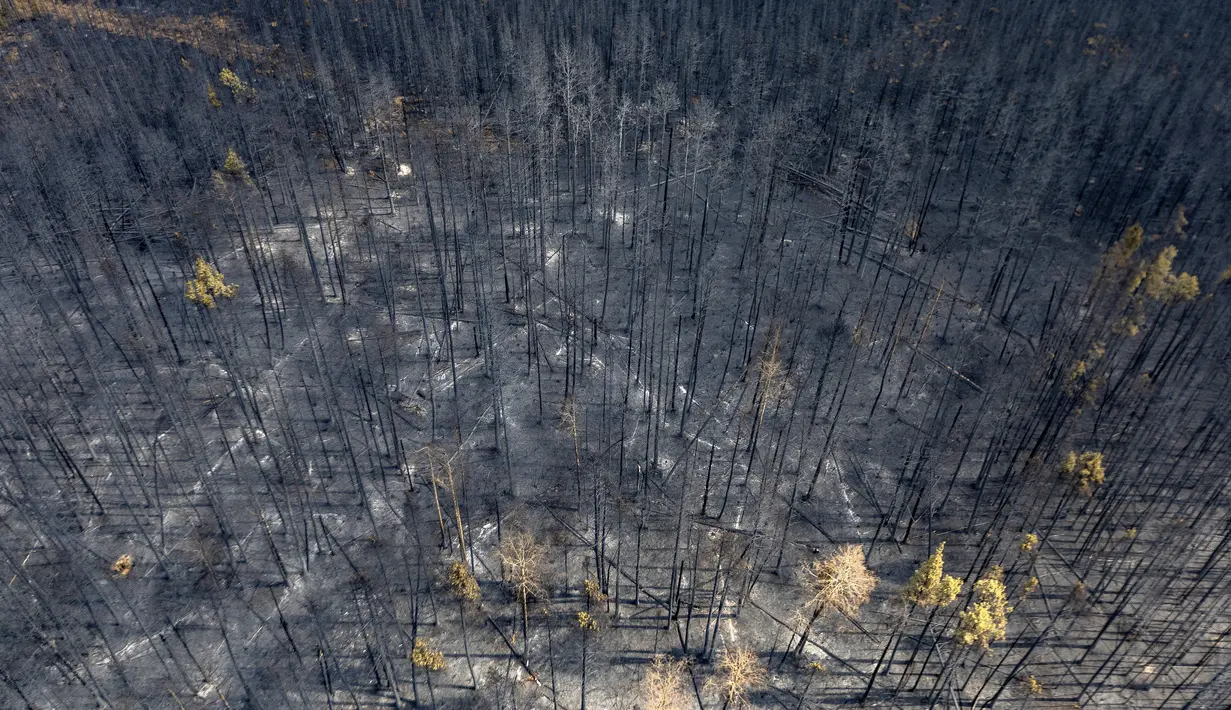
(290, 530)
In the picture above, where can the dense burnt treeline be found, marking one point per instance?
(636, 311)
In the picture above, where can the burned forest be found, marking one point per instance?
(629, 355)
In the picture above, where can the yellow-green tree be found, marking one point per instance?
(1086, 469)
(424, 656)
(929, 585)
(238, 88)
(1163, 285)
(1126, 281)
(986, 619)
(586, 621)
(207, 284)
(466, 590)
(462, 583)
(234, 165)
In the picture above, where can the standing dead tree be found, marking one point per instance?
(523, 556)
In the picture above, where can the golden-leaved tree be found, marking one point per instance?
(663, 688)
(523, 558)
(739, 671)
(841, 582)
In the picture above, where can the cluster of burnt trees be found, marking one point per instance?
(646, 355)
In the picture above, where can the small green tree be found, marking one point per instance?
(234, 165)
(234, 172)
